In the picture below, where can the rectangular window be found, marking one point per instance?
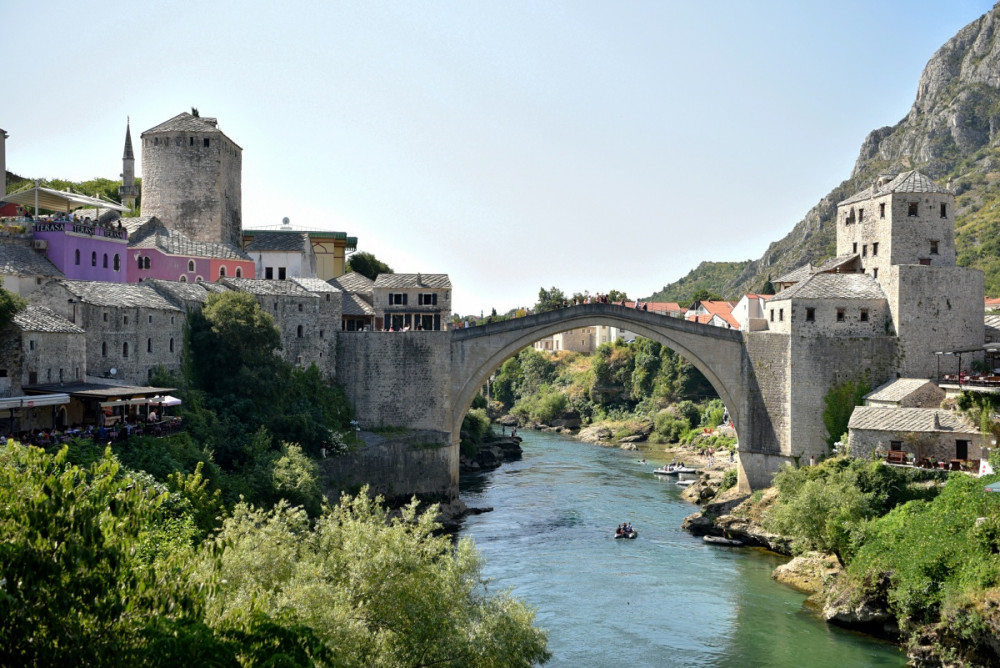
(861, 215)
(31, 345)
(150, 320)
(925, 261)
(864, 315)
(874, 249)
(944, 210)
(840, 315)
(427, 299)
(934, 248)
(875, 272)
(205, 142)
(855, 247)
(914, 209)
(281, 273)
(864, 251)
(781, 315)
(895, 445)
(881, 210)
(961, 449)
(810, 314)
(269, 273)
(772, 315)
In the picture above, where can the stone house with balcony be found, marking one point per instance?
(405, 302)
(926, 433)
(130, 329)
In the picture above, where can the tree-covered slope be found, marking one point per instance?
(950, 134)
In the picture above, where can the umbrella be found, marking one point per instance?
(993, 487)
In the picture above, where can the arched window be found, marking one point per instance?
(171, 344)
(184, 279)
(76, 256)
(239, 272)
(104, 349)
(300, 331)
(147, 262)
(222, 272)
(125, 349)
(93, 259)
(190, 265)
(106, 261)
(118, 262)
(140, 262)
(149, 345)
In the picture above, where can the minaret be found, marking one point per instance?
(3, 163)
(128, 192)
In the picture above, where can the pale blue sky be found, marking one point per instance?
(511, 145)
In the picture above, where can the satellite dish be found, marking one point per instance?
(113, 371)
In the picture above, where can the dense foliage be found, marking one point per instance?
(102, 566)
(367, 265)
(839, 403)
(643, 386)
(235, 385)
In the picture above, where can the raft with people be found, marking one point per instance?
(625, 531)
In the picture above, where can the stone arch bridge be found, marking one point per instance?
(720, 354)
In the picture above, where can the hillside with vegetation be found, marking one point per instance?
(950, 134)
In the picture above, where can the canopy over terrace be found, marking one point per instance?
(58, 200)
(88, 400)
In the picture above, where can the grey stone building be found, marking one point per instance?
(926, 433)
(41, 346)
(185, 296)
(306, 320)
(358, 292)
(192, 179)
(23, 269)
(130, 329)
(412, 302)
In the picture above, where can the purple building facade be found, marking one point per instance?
(84, 252)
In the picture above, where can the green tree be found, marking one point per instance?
(367, 265)
(704, 295)
(379, 590)
(549, 300)
(839, 403)
(616, 296)
(10, 304)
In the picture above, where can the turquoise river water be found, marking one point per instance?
(663, 599)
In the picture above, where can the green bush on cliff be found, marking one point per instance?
(940, 560)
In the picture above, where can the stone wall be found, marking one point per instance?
(934, 309)
(397, 468)
(53, 357)
(787, 379)
(830, 317)
(397, 378)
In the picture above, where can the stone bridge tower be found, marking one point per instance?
(192, 179)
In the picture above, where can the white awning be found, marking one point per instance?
(58, 200)
(34, 401)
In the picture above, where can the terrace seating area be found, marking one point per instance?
(114, 432)
(903, 458)
(984, 380)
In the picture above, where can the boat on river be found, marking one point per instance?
(673, 470)
(627, 534)
(720, 540)
(686, 483)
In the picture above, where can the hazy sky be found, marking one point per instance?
(509, 144)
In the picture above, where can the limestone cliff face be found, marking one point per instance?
(950, 133)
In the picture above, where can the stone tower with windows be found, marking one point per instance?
(192, 179)
(128, 190)
(902, 232)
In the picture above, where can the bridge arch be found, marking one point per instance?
(477, 352)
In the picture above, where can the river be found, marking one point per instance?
(663, 599)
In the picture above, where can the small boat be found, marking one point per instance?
(686, 483)
(719, 540)
(673, 470)
(627, 534)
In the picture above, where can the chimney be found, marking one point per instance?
(420, 281)
(3, 163)
(937, 421)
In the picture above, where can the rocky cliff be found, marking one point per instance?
(950, 134)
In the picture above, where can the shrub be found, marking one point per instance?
(729, 479)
